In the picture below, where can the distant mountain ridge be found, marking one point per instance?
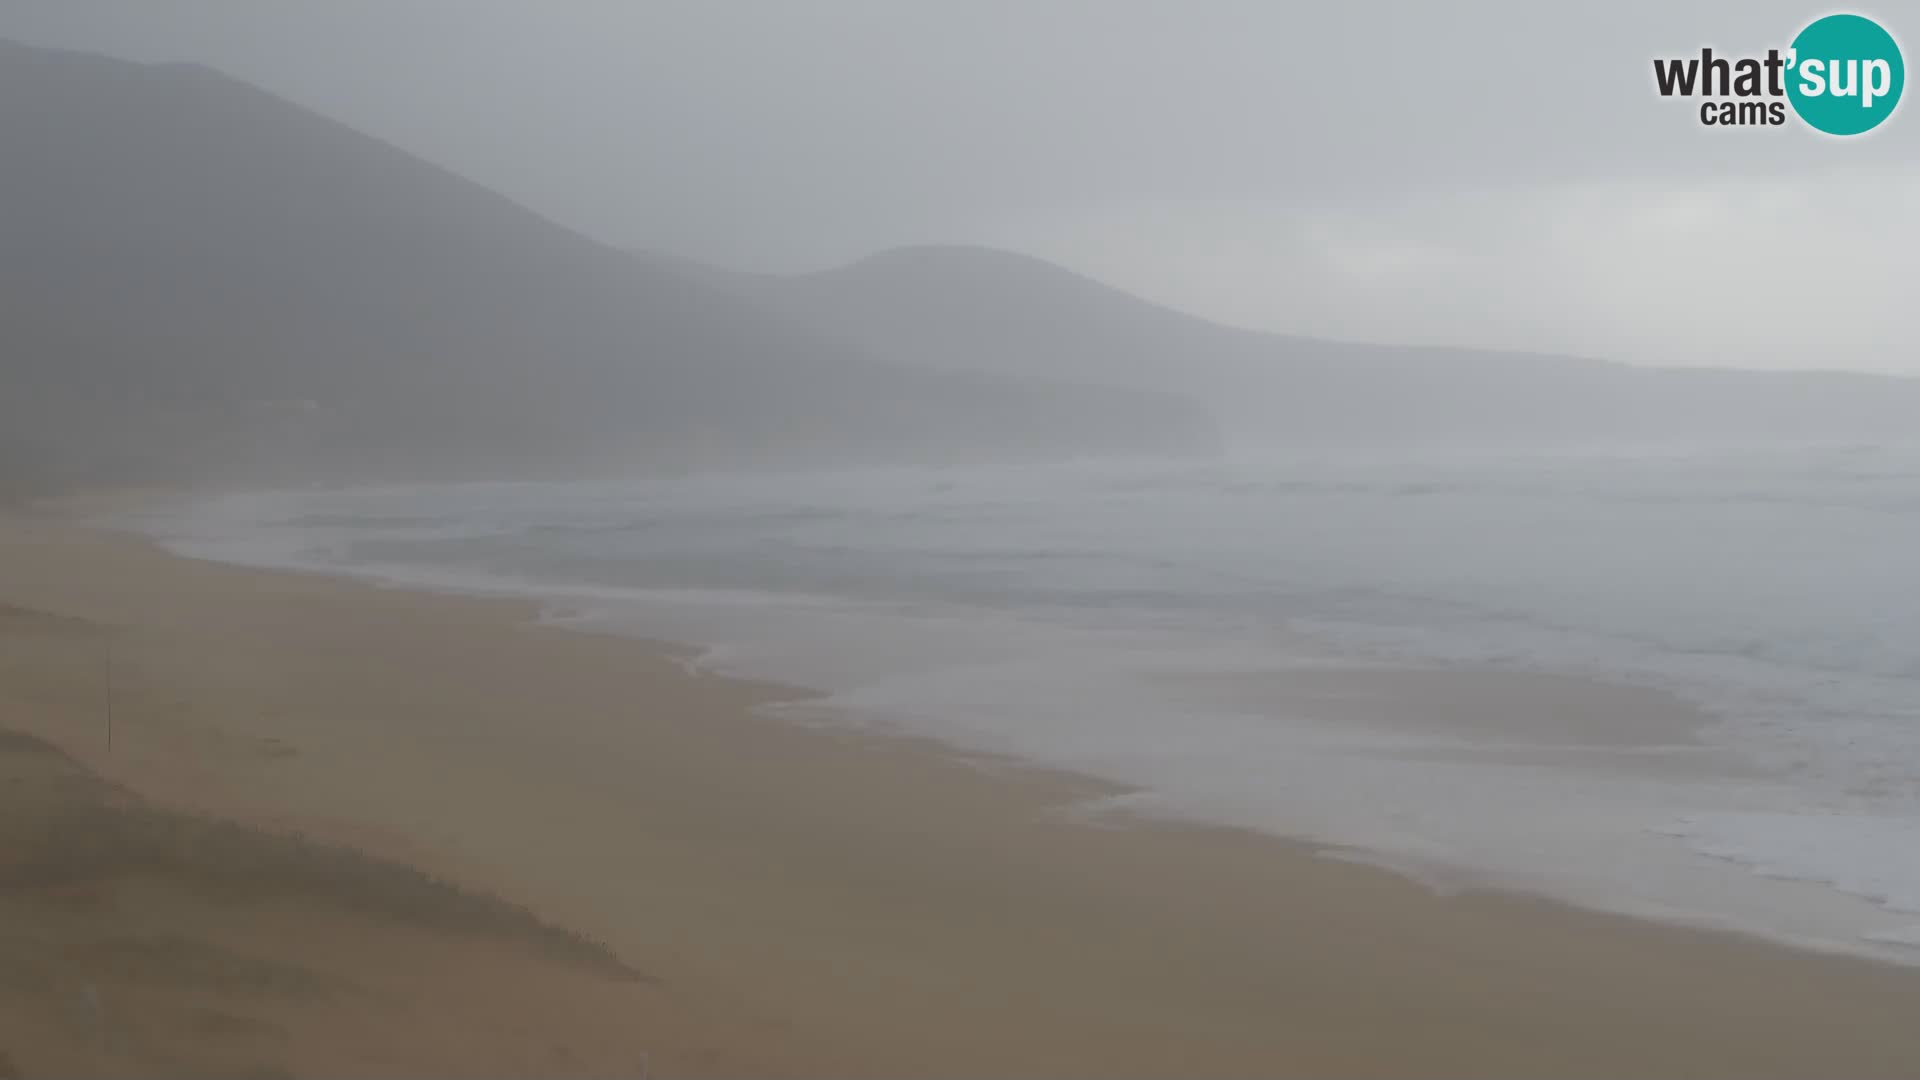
(200, 280)
(978, 309)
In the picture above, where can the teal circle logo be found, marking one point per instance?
(1845, 74)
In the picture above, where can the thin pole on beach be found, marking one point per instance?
(109, 666)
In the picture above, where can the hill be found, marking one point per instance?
(200, 280)
(976, 309)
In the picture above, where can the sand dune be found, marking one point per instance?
(139, 941)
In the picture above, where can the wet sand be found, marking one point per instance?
(806, 902)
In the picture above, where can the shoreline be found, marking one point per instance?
(856, 903)
(1582, 724)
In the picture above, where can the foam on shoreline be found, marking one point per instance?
(1206, 725)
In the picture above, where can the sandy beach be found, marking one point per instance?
(709, 891)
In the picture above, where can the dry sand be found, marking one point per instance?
(799, 902)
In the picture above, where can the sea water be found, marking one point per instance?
(1123, 618)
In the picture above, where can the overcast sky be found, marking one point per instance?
(1493, 173)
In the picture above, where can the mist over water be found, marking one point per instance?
(1132, 620)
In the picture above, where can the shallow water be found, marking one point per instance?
(1149, 622)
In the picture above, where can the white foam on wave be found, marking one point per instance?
(1108, 704)
(1872, 856)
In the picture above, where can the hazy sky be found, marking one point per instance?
(1493, 173)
